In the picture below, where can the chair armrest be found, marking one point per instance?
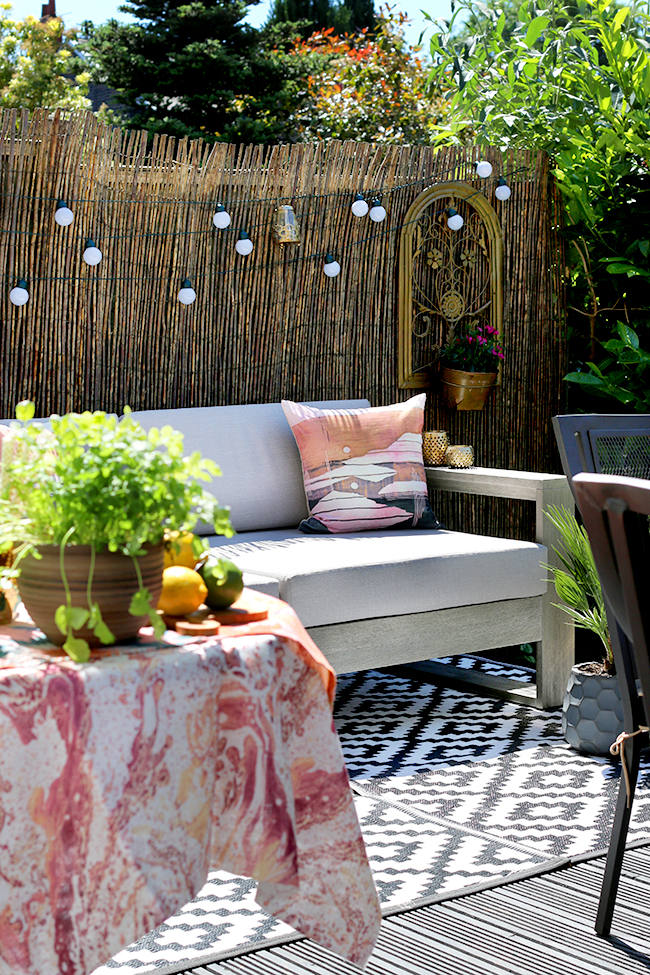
(543, 489)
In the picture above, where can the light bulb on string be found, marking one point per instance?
(331, 267)
(92, 254)
(359, 207)
(187, 294)
(377, 212)
(483, 168)
(221, 218)
(19, 295)
(454, 219)
(63, 214)
(503, 191)
(244, 245)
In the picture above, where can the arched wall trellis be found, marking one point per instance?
(446, 277)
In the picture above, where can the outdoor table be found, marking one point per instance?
(125, 779)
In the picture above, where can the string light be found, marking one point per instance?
(244, 245)
(377, 212)
(502, 191)
(19, 295)
(221, 218)
(483, 169)
(359, 207)
(92, 254)
(331, 267)
(63, 214)
(454, 219)
(187, 294)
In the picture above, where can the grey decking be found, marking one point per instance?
(538, 923)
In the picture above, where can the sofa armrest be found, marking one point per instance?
(543, 489)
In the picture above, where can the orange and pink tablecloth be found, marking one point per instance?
(123, 780)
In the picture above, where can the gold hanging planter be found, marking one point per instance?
(286, 229)
(466, 390)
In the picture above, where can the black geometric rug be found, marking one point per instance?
(451, 788)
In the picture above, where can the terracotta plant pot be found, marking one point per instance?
(465, 390)
(114, 583)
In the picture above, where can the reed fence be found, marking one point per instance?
(270, 325)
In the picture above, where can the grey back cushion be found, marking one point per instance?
(257, 453)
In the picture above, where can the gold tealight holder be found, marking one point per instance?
(459, 455)
(434, 445)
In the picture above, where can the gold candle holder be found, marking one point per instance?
(459, 455)
(434, 445)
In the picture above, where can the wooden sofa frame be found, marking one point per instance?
(395, 640)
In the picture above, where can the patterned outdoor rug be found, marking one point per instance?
(451, 789)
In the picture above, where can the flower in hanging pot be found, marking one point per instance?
(470, 362)
(84, 505)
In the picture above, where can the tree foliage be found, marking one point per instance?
(573, 80)
(37, 64)
(193, 69)
(368, 86)
(307, 16)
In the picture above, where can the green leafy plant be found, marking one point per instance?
(622, 375)
(577, 584)
(98, 481)
(473, 349)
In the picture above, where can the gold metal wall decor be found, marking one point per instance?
(447, 278)
(285, 226)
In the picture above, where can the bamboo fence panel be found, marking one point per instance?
(270, 325)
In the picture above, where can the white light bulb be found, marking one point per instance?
(244, 245)
(92, 255)
(483, 169)
(359, 207)
(331, 267)
(502, 191)
(377, 212)
(454, 220)
(63, 214)
(187, 294)
(221, 219)
(19, 295)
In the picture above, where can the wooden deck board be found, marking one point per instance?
(530, 925)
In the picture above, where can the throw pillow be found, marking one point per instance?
(362, 468)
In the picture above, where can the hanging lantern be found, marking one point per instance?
(92, 255)
(454, 219)
(359, 206)
(483, 169)
(244, 244)
(377, 212)
(503, 191)
(331, 267)
(286, 229)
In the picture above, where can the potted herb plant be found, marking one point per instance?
(470, 363)
(592, 713)
(84, 505)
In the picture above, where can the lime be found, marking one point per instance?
(222, 592)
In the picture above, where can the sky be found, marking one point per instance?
(74, 12)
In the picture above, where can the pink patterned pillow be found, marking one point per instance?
(363, 468)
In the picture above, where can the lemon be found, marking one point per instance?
(183, 591)
(179, 549)
(222, 592)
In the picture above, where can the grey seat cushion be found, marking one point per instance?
(335, 579)
(253, 445)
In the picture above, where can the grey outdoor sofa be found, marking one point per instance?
(376, 599)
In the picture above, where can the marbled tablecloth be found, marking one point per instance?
(124, 779)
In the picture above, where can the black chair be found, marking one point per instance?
(611, 444)
(615, 511)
